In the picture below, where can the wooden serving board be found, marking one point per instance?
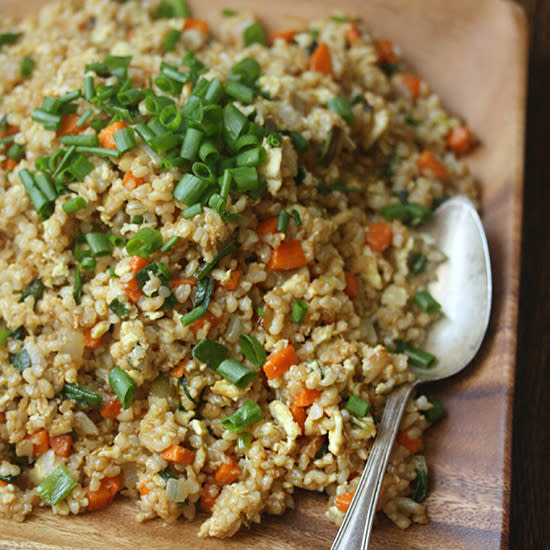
(473, 52)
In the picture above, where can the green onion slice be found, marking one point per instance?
(244, 441)
(82, 395)
(253, 34)
(246, 415)
(237, 373)
(299, 310)
(56, 486)
(146, 241)
(118, 308)
(357, 406)
(426, 302)
(209, 352)
(437, 412)
(21, 360)
(34, 289)
(252, 350)
(123, 386)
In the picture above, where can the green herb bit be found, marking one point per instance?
(203, 292)
(75, 204)
(237, 373)
(323, 450)
(21, 360)
(417, 262)
(118, 308)
(77, 288)
(341, 106)
(82, 395)
(226, 12)
(171, 39)
(296, 215)
(27, 66)
(205, 269)
(357, 406)
(339, 19)
(146, 241)
(169, 244)
(282, 221)
(9, 38)
(246, 415)
(185, 386)
(299, 310)
(39, 196)
(426, 302)
(99, 244)
(420, 485)
(253, 34)
(168, 9)
(389, 68)
(88, 264)
(301, 144)
(437, 412)
(210, 353)
(56, 486)
(252, 349)
(122, 385)
(35, 289)
(244, 441)
(417, 357)
(4, 335)
(194, 315)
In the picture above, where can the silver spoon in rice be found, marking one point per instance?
(464, 289)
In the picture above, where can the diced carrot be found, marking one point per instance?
(430, 165)
(179, 370)
(144, 489)
(233, 281)
(132, 289)
(209, 494)
(379, 235)
(320, 60)
(306, 397)
(130, 179)
(9, 164)
(299, 414)
(130, 33)
(89, 341)
(413, 84)
(196, 24)
(40, 442)
(61, 444)
(178, 455)
(137, 263)
(288, 255)
(413, 445)
(267, 226)
(106, 136)
(69, 126)
(280, 361)
(228, 472)
(2, 483)
(111, 408)
(352, 34)
(460, 140)
(343, 501)
(208, 318)
(108, 488)
(2, 417)
(10, 131)
(384, 48)
(287, 36)
(352, 285)
(174, 283)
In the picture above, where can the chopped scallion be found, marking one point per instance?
(246, 415)
(119, 309)
(253, 34)
(82, 395)
(35, 289)
(435, 413)
(194, 315)
(209, 352)
(88, 264)
(27, 66)
(146, 241)
(237, 373)
(299, 310)
(99, 244)
(341, 106)
(169, 244)
(77, 288)
(357, 406)
(417, 262)
(244, 441)
(426, 302)
(282, 221)
(252, 350)
(123, 386)
(170, 40)
(21, 360)
(57, 486)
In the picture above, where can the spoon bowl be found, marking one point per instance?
(463, 287)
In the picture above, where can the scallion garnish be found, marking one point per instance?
(35, 289)
(341, 106)
(9, 38)
(417, 357)
(208, 152)
(299, 310)
(50, 121)
(246, 415)
(253, 34)
(4, 335)
(357, 406)
(99, 151)
(192, 211)
(420, 485)
(146, 241)
(190, 189)
(80, 167)
(15, 152)
(237, 373)
(203, 292)
(169, 244)
(301, 144)
(77, 288)
(99, 244)
(27, 66)
(21, 360)
(194, 315)
(75, 204)
(54, 488)
(43, 205)
(171, 39)
(426, 302)
(323, 450)
(88, 263)
(437, 412)
(191, 144)
(296, 215)
(209, 352)
(125, 139)
(251, 157)
(245, 178)
(82, 395)
(205, 269)
(118, 308)
(239, 91)
(122, 385)
(417, 262)
(244, 441)
(252, 350)
(88, 141)
(282, 221)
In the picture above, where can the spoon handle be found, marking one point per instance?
(356, 527)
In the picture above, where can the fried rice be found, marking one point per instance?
(103, 383)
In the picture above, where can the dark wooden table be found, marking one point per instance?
(530, 525)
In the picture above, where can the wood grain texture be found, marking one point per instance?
(473, 53)
(530, 529)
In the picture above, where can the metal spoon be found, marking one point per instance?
(464, 290)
